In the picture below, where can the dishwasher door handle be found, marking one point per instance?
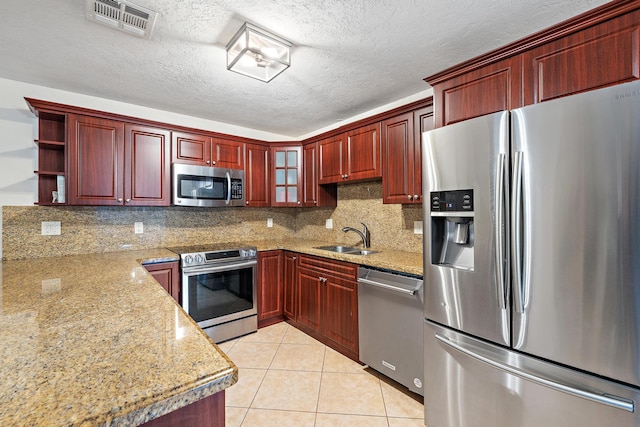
(389, 287)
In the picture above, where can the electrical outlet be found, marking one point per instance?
(269, 222)
(50, 228)
(417, 227)
(138, 227)
(329, 223)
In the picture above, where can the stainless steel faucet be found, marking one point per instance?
(364, 234)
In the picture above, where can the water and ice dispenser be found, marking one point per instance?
(452, 229)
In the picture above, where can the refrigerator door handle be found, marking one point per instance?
(499, 231)
(516, 232)
(605, 399)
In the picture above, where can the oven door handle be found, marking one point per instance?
(226, 267)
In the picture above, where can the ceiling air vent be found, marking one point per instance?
(122, 15)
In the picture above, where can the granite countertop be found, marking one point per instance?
(95, 340)
(406, 262)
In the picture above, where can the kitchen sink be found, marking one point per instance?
(350, 250)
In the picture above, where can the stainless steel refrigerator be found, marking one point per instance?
(532, 265)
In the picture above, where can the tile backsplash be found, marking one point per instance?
(110, 229)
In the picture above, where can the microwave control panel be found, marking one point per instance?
(236, 189)
(452, 201)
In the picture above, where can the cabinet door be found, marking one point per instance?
(256, 175)
(227, 153)
(363, 153)
(287, 176)
(192, 149)
(603, 55)
(289, 304)
(399, 158)
(270, 285)
(147, 166)
(330, 160)
(309, 299)
(495, 87)
(341, 312)
(314, 194)
(168, 275)
(422, 122)
(96, 161)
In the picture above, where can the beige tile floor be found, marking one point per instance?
(288, 378)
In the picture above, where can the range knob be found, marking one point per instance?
(199, 259)
(188, 259)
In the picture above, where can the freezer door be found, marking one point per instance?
(473, 296)
(576, 235)
(469, 383)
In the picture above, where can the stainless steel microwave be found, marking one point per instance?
(206, 186)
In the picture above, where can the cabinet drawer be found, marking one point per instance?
(332, 267)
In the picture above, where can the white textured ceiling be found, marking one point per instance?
(349, 56)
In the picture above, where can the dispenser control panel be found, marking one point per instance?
(452, 201)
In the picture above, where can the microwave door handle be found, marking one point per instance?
(228, 188)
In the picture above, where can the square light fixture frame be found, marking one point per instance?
(256, 53)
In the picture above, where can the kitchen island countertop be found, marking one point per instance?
(95, 340)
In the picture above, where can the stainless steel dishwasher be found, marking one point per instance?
(390, 322)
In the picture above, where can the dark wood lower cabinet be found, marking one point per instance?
(207, 412)
(168, 275)
(327, 296)
(289, 306)
(270, 288)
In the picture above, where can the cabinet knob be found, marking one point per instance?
(315, 202)
(213, 163)
(409, 196)
(295, 258)
(208, 162)
(120, 199)
(416, 197)
(127, 200)
(246, 203)
(299, 202)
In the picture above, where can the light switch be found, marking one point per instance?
(269, 222)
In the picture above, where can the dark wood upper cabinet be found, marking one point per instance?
(192, 149)
(352, 156)
(496, 87)
(257, 190)
(227, 153)
(113, 163)
(286, 176)
(330, 160)
(147, 166)
(598, 48)
(314, 194)
(362, 153)
(603, 55)
(96, 161)
(401, 146)
(203, 150)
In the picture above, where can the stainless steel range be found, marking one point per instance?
(219, 289)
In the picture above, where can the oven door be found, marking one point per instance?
(212, 295)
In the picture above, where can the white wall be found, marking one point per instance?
(18, 129)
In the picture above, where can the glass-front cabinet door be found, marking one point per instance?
(287, 176)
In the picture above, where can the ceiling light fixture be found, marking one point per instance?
(257, 53)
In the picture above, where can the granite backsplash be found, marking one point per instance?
(110, 229)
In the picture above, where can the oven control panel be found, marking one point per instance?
(218, 256)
